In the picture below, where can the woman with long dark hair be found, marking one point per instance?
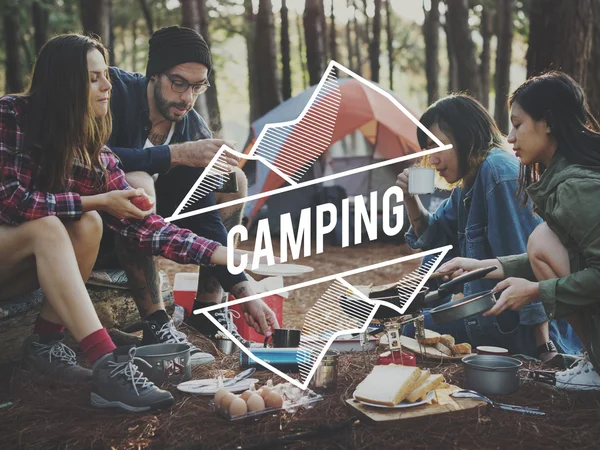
(481, 219)
(558, 141)
(56, 178)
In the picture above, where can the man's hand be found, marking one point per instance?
(201, 153)
(260, 317)
(256, 312)
(517, 292)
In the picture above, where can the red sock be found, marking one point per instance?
(43, 326)
(97, 344)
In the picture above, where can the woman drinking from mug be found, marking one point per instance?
(558, 142)
(482, 219)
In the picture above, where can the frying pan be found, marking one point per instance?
(462, 308)
(389, 293)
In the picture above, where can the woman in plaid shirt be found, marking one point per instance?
(57, 183)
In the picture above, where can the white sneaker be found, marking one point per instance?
(581, 376)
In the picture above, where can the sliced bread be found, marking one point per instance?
(387, 385)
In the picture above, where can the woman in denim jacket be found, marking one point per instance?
(482, 219)
(558, 142)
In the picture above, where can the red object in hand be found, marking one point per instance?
(143, 202)
(403, 358)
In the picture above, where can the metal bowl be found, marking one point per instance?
(488, 374)
(465, 307)
(170, 362)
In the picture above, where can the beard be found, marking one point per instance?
(164, 107)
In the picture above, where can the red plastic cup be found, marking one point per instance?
(403, 358)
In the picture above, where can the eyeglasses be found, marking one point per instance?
(182, 86)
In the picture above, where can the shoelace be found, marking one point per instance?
(57, 351)
(577, 365)
(131, 372)
(169, 335)
(225, 317)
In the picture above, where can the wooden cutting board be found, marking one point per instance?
(427, 351)
(446, 405)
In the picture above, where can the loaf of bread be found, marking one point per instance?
(447, 340)
(461, 349)
(444, 349)
(431, 338)
(387, 385)
(429, 385)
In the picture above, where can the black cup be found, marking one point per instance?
(284, 338)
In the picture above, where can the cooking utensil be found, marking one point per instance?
(284, 338)
(167, 362)
(325, 377)
(281, 270)
(239, 377)
(492, 374)
(225, 346)
(389, 293)
(466, 393)
(210, 386)
(489, 350)
(468, 306)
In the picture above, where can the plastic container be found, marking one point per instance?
(307, 401)
(184, 290)
(403, 358)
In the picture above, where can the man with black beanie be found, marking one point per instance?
(156, 132)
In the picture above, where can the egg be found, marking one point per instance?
(219, 396)
(247, 394)
(238, 407)
(264, 391)
(226, 401)
(274, 400)
(256, 403)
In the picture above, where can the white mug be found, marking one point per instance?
(421, 180)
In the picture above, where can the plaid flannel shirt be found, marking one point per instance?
(21, 201)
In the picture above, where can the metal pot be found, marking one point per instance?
(488, 374)
(170, 362)
(325, 377)
(464, 307)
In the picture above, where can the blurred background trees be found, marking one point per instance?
(266, 51)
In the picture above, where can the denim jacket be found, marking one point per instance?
(131, 125)
(484, 222)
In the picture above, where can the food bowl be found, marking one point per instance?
(170, 362)
(489, 374)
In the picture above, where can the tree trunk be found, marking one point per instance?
(40, 13)
(302, 51)
(390, 42)
(286, 72)
(266, 55)
(147, 16)
(375, 44)
(593, 69)
(112, 61)
(503, 61)
(561, 38)
(460, 36)
(332, 36)
(324, 34)
(190, 16)
(357, 51)
(250, 29)
(313, 35)
(486, 34)
(367, 36)
(349, 41)
(12, 45)
(212, 101)
(452, 63)
(431, 33)
(95, 18)
(134, 48)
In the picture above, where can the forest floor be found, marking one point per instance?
(45, 415)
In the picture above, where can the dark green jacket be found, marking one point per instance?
(567, 197)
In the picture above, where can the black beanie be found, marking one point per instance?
(176, 45)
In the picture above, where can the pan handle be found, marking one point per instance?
(455, 285)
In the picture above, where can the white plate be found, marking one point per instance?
(209, 386)
(281, 270)
(401, 404)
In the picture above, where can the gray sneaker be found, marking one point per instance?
(118, 383)
(54, 358)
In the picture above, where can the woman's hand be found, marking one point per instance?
(259, 316)
(517, 292)
(402, 182)
(459, 266)
(118, 204)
